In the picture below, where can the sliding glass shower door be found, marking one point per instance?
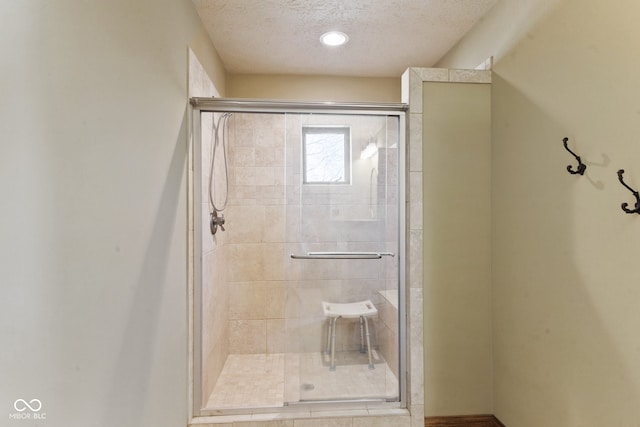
(298, 299)
(342, 257)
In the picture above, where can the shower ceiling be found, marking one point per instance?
(385, 36)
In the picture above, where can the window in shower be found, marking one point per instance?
(326, 155)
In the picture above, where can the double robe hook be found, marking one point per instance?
(635, 194)
(581, 166)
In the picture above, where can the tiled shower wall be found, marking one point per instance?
(388, 334)
(274, 305)
(254, 248)
(214, 298)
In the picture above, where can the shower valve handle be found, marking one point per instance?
(216, 221)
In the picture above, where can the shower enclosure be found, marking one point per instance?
(313, 219)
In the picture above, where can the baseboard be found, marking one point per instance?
(463, 421)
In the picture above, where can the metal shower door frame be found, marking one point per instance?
(194, 196)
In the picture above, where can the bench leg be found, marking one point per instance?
(332, 365)
(327, 350)
(366, 326)
(362, 350)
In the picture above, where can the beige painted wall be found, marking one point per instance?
(208, 58)
(93, 234)
(565, 282)
(313, 88)
(457, 248)
(499, 32)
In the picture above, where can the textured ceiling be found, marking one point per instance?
(385, 36)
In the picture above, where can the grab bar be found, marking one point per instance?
(343, 255)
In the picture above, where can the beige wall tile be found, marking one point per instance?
(414, 159)
(415, 272)
(244, 176)
(293, 301)
(415, 187)
(269, 156)
(415, 216)
(469, 76)
(242, 156)
(417, 415)
(416, 351)
(415, 90)
(245, 262)
(311, 335)
(274, 223)
(274, 260)
(242, 136)
(247, 300)
(275, 300)
(209, 242)
(265, 175)
(245, 224)
(276, 336)
(433, 74)
(247, 336)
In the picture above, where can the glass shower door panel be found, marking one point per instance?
(343, 258)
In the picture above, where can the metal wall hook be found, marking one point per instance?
(635, 194)
(581, 166)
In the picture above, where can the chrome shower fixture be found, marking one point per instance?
(216, 221)
(217, 142)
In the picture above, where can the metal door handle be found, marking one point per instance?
(342, 255)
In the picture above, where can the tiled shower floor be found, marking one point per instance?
(259, 380)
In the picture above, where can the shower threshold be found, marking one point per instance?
(262, 381)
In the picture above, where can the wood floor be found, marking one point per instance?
(463, 421)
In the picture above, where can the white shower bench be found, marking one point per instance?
(353, 310)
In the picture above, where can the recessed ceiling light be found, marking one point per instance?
(334, 38)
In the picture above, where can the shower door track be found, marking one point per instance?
(278, 106)
(246, 105)
(307, 406)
